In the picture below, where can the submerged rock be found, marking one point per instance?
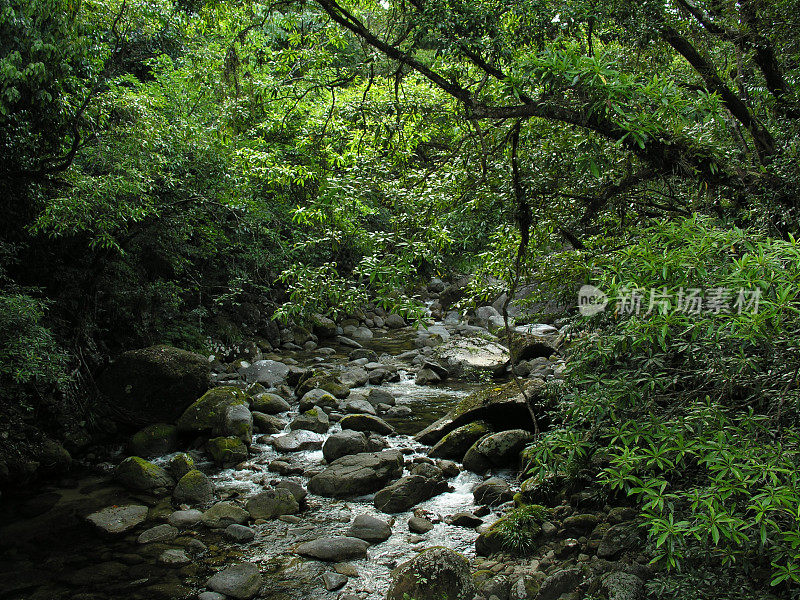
(434, 574)
(118, 519)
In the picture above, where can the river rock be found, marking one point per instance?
(472, 354)
(619, 585)
(394, 321)
(379, 396)
(426, 376)
(183, 519)
(297, 490)
(194, 488)
(174, 558)
(118, 519)
(344, 443)
(222, 514)
(239, 533)
(333, 581)
(497, 450)
(526, 346)
(354, 377)
(179, 465)
(269, 424)
(227, 451)
(364, 422)
(455, 444)
(357, 474)
(238, 422)
(272, 503)
(154, 440)
(355, 406)
(242, 581)
(419, 525)
(434, 574)
(318, 397)
(326, 381)
(271, 373)
(360, 353)
(210, 414)
(369, 529)
(297, 441)
(407, 492)
(155, 384)
(427, 470)
(501, 407)
(159, 533)
(269, 404)
(135, 473)
(335, 549)
(315, 420)
(492, 491)
(560, 582)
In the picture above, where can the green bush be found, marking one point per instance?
(696, 414)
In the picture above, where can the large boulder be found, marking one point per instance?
(433, 574)
(497, 450)
(210, 414)
(525, 346)
(271, 503)
(344, 443)
(456, 443)
(492, 491)
(270, 373)
(501, 407)
(471, 355)
(155, 384)
(407, 492)
(242, 581)
(135, 473)
(194, 488)
(154, 440)
(357, 474)
(336, 549)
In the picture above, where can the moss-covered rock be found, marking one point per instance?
(434, 574)
(324, 381)
(269, 404)
(155, 384)
(525, 346)
(179, 465)
(194, 488)
(497, 450)
(456, 443)
(227, 451)
(154, 440)
(210, 413)
(138, 474)
(500, 406)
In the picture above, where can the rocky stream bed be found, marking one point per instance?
(367, 461)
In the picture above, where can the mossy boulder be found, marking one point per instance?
(269, 424)
(194, 488)
(500, 406)
(137, 474)
(271, 503)
(325, 381)
(179, 465)
(227, 451)
(155, 384)
(212, 413)
(500, 449)
(154, 440)
(434, 574)
(525, 346)
(269, 404)
(456, 443)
